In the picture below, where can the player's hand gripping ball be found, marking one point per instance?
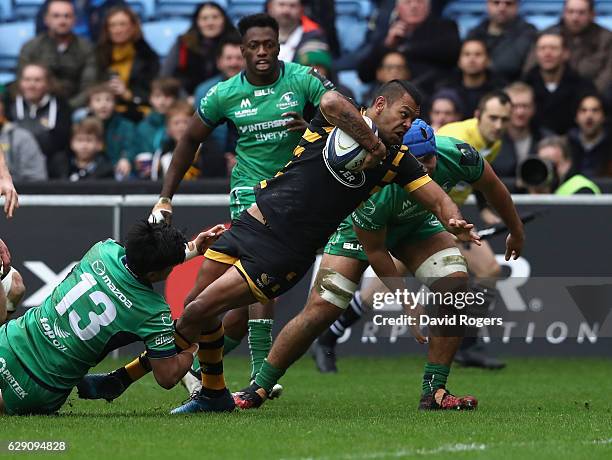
(342, 152)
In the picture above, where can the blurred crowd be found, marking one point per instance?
(92, 99)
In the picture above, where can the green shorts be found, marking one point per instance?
(21, 393)
(241, 198)
(344, 241)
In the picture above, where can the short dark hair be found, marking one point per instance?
(232, 40)
(590, 2)
(395, 89)
(476, 40)
(594, 95)
(257, 20)
(554, 34)
(495, 94)
(154, 247)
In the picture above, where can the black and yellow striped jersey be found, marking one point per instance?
(304, 203)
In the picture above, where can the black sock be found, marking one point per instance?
(351, 315)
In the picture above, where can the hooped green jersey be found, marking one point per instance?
(457, 161)
(98, 307)
(264, 145)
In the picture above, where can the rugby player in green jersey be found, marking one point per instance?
(266, 103)
(106, 301)
(391, 223)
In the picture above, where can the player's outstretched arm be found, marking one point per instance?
(498, 196)
(169, 371)
(182, 158)
(433, 198)
(7, 189)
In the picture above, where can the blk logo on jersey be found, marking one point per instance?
(263, 92)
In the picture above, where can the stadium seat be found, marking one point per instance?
(144, 8)
(240, 8)
(351, 32)
(161, 35)
(6, 10)
(350, 79)
(180, 8)
(26, 9)
(542, 21)
(12, 36)
(357, 8)
(467, 14)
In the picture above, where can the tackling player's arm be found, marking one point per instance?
(340, 112)
(434, 199)
(169, 371)
(7, 189)
(497, 195)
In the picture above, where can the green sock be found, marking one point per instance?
(260, 342)
(434, 377)
(195, 367)
(229, 344)
(268, 375)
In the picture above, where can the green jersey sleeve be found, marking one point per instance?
(316, 85)
(158, 335)
(466, 164)
(375, 213)
(210, 109)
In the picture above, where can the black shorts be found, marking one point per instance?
(267, 264)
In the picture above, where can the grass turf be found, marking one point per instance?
(535, 408)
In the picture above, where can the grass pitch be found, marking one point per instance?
(535, 408)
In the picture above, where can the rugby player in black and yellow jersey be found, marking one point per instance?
(273, 244)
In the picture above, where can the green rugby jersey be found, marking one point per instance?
(457, 161)
(264, 145)
(98, 307)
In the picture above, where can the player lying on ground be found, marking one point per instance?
(12, 289)
(274, 243)
(390, 222)
(106, 302)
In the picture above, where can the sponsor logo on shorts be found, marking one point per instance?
(54, 333)
(287, 101)
(164, 339)
(352, 246)
(263, 280)
(11, 381)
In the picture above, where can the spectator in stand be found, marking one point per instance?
(321, 61)
(523, 135)
(557, 87)
(126, 60)
(70, 59)
(552, 171)
(89, 16)
(177, 121)
(88, 160)
(297, 32)
(431, 45)
(45, 115)
(590, 142)
(325, 12)
(22, 154)
(392, 66)
(589, 44)
(120, 143)
(229, 63)
(507, 36)
(445, 108)
(192, 59)
(473, 79)
(152, 130)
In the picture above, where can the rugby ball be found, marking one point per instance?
(342, 152)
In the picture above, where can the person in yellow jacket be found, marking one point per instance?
(484, 132)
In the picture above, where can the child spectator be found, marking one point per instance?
(88, 160)
(119, 133)
(177, 121)
(152, 130)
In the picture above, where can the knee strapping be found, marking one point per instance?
(334, 287)
(439, 265)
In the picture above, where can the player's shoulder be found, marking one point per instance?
(460, 129)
